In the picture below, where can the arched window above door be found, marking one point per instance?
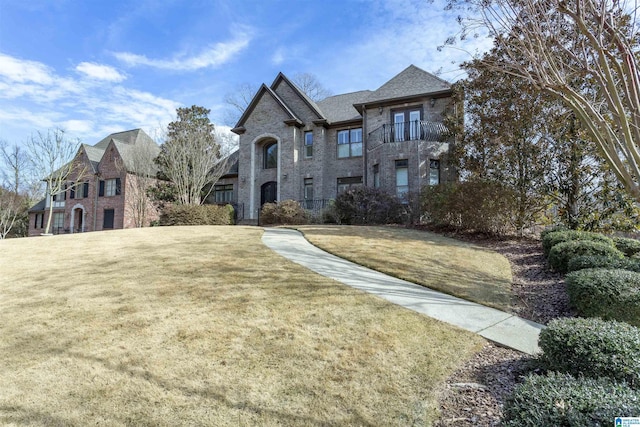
(271, 155)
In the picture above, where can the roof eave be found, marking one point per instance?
(390, 101)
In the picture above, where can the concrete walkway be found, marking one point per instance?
(495, 325)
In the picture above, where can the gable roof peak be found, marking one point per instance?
(412, 81)
(307, 100)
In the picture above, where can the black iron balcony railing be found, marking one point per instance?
(422, 130)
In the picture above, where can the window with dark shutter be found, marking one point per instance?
(72, 191)
(118, 187)
(85, 189)
(101, 192)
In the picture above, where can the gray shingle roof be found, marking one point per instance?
(94, 154)
(125, 142)
(410, 82)
(339, 108)
(40, 206)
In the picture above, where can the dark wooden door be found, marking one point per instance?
(269, 192)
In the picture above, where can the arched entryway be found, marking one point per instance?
(77, 219)
(268, 192)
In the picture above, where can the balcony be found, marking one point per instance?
(417, 130)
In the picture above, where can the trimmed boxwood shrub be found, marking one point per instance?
(196, 215)
(561, 253)
(285, 212)
(598, 261)
(629, 247)
(553, 238)
(553, 229)
(593, 348)
(610, 294)
(555, 399)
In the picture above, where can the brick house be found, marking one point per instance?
(105, 196)
(291, 147)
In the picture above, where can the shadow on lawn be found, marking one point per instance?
(206, 393)
(21, 415)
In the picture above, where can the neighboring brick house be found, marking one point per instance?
(294, 148)
(105, 196)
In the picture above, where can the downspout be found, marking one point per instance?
(95, 202)
(365, 143)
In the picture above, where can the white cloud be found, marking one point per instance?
(213, 56)
(278, 56)
(100, 72)
(34, 97)
(16, 70)
(399, 33)
(75, 127)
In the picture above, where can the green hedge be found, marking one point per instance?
(629, 247)
(196, 215)
(285, 212)
(610, 294)
(553, 229)
(554, 400)
(592, 348)
(561, 253)
(598, 261)
(553, 238)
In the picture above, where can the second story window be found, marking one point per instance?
(271, 156)
(109, 187)
(308, 144)
(350, 143)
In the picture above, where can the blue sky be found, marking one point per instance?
(94, 67)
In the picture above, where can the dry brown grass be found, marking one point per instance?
(204, 326)
(440, 263)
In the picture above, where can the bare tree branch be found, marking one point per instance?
(52, 154)
(586, 54)
(192, 158)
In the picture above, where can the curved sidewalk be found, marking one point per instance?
(495, 325)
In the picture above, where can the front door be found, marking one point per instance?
(268, 192)
(79, 221)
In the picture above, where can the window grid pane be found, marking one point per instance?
(434, 172)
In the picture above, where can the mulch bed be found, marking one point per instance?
(475, 394)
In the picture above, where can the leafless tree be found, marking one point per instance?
(238, 101)
(13, 205)
(53, 155)
(584, 52)
(311, 86)
(140, 170)
(241, 97)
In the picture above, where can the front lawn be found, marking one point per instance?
(205, 326)
(451, 266)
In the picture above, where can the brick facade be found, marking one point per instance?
(101, 195)
(282, 114)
